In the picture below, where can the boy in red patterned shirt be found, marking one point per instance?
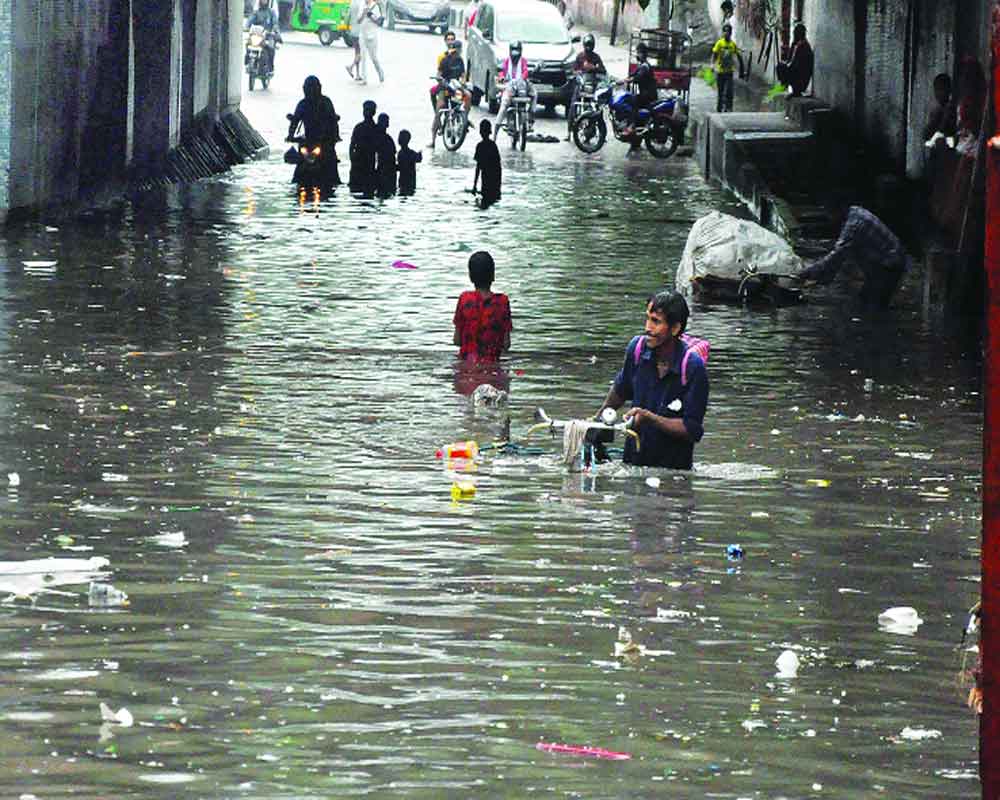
(482, 317)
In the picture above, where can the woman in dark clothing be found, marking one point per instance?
(797, 71)
(320, 123)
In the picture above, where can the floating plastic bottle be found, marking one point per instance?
(467, 449)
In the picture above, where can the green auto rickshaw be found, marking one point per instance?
(328, 19)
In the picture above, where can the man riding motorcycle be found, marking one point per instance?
(449, 37)
(588, 67)
(514, 75)
(267, 17)
(451, 67)
(644, 82)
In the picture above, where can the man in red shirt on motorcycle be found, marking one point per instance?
(588, 67)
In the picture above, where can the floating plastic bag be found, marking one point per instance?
(788, 664)
(902, 620)
(121, 717)
(488, 395)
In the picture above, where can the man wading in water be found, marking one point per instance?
(667, 384)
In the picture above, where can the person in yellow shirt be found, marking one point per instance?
(725, 54)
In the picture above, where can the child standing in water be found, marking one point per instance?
(482, 317)
(406, 161)
(487, 165)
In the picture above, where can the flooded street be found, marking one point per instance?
(233, 397)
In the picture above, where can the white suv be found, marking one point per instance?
(548, 49)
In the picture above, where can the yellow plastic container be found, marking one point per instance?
(463, 490)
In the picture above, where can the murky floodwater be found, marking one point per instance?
(235, 400)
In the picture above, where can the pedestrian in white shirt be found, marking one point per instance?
(370, 21)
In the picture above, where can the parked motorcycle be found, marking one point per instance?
(517, 121)
(661, 127)
(453, 119)
(259, 56)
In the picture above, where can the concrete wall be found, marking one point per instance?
(6, 96)
(935, 52)
(876, 61)
(60, 53)
(93, 89)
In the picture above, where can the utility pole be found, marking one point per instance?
(989, 643)
(666, 14)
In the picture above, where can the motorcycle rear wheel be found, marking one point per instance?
(663, 149)
(590, 134)
(523, 140)
(454, 126)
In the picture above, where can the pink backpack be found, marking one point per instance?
(694, 345)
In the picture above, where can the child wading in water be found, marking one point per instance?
(406, 163)
(482, 317)
(488, 165)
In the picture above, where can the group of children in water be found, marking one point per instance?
(376, 163)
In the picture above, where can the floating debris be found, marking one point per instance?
(104, 595)
(788, 664)
(27, 578)
(625, 647)
(902, 620)
(918, 734)
(583, 750)
(121, 717)
(487, 395)
(170, 539)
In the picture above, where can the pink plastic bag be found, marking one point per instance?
(582, 750)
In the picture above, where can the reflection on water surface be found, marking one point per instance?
(235, 399)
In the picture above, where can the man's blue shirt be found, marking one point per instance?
(641, 384)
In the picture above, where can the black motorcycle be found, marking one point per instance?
(315, 164)
(452, 119)
(259, 55)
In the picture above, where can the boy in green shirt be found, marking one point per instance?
(725, 54)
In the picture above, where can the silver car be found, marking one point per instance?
(548, 49)
(433, 14)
